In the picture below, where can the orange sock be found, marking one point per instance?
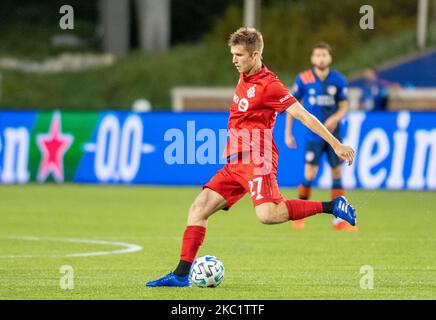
(337, 193)
(304, 192)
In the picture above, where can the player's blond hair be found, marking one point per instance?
(250, 38)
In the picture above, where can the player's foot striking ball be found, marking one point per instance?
(253, 156)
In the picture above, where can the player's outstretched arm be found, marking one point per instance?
(299, 112)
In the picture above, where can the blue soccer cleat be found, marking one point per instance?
(170, 280)
(344, 210)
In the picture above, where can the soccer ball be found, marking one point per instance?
(207, 271)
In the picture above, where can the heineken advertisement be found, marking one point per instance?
(394, 150)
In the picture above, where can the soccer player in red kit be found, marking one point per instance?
(253, 157)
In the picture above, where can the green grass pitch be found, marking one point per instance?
(397, 238)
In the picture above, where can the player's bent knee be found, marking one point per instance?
(265, 220)
(265, 216)
(272, 213)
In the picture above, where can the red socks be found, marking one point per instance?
(192, 240)
(300, 209)
(194, 235)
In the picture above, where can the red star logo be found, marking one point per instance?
(53, 146)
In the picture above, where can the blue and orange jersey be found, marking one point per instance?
(320, 97)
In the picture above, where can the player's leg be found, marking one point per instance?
(312, 158)
(337, 188)
(275, 213)
(272, 208)
(206, 204)
(305, 188)
(296, 209)
(221, 192)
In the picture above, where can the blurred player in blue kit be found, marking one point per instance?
(323, 92)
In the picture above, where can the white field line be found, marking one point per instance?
(128, 248)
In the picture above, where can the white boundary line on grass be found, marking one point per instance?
(128, 247)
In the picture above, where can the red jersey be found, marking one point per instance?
(257, 100)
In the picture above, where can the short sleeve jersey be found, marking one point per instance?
(320, 97)
(257, 100)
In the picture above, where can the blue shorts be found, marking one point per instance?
(314, 151)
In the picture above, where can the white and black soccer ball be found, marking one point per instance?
(207, 271)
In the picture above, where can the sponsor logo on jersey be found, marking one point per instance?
(235, 98)
(285, 98)
(325, 101)
(243, 105)
(310, 155)
(251, 92)
(331, 90)
(312, 100)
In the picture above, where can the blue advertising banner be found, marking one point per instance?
(394, 150)
(154, 148)
(15, 130)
